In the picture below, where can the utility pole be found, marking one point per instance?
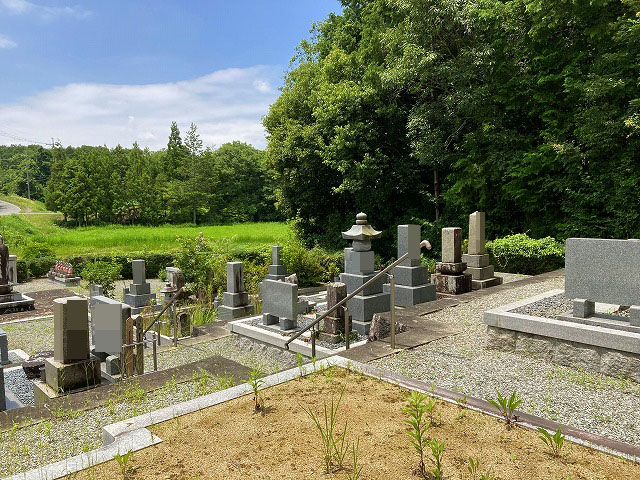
(28, 185)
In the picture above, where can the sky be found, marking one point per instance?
(109, 72)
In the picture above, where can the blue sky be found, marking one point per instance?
(115, 71)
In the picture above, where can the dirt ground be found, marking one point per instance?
(230, 441)
(43, 304)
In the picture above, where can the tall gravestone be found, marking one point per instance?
(412, 278)
(277, 270)
(279, 303)
(477, 259)
(450, 276)
(236, 298)
(359, 261)
(108, 321)
(72, 365)
(10, 300)
(332, 329)
(138, 295)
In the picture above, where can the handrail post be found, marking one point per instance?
(313, 341)
(347, 329)
(392, 311)
(155, 354)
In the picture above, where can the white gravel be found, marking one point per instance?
(590, 401)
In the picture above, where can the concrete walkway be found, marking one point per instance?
(7, 208)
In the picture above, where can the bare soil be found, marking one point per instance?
(230, 441)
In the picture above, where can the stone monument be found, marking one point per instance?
(279, 303)
(477, 260)
(62, 272)
(332, 330)
(277, 270)
(236, 299)
(108, 322)
(4, 348)
(450, 277)
(138, 295)
(13, 269)
(412, 278)
(605, 271)
(10, 301)
(359, 268)
(72, 365)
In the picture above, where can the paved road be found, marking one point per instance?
(7, 208)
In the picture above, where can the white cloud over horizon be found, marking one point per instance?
(226, 105)
(6, 42)
(23, 7)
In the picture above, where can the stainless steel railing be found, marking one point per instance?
(347, 331)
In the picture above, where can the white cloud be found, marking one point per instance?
(20, 7)
(6, 42)
(226, 105)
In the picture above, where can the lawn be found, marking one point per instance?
(231, 441)
(118, 239)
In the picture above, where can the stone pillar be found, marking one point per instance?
(477, 260)
(412, 279)
(4, 348)
(13, 269)
(236, 299)
(138, 295)
(450, 277)
(277, 270)
(3, 401)
(333, 325)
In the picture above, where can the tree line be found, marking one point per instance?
(182, 183)
(426, 110)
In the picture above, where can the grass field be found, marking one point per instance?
(116, 239)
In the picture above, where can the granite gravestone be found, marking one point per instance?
(108, 320)
(236, 298)
(477, 259)
(450, 277)
(4, 348)
(138, 295)
(277, 270)
(10, 300)
(359, 262)
(412, 278)
(332, 330)
(279, 303)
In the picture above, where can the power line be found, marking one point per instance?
(22, 139)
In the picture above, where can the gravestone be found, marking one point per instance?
(277, 270)
(412, 278)
(3, 400)
(477, 260)
(359, 262)
(332, 330)
(138, 295)
(108, 320)
(236, 298)
(604, 271)
(72, 366)
(10, 301)
(450, 276)
(4, 348)
(279, 303)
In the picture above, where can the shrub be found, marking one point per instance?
(38, 267)
(35, 250)
(521, 254)
(102, 273)
(23, 271)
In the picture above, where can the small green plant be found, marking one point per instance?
(255, 382)
(437, 449)
(123, 461)
(202, 378)
(300, 363)
(554, 442)
(416, 410)
(102, 273)
(356, 470)
(506, 407)
(334, 444)
(473, 466)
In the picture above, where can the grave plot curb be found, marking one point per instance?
(132, 434)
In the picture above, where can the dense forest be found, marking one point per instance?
(182, 183)
(417, 110)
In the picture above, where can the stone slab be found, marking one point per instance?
(406, 296)
(139, 301)
(603, 270)
(481, 273)
(140, 289)
(279, 299)
(16, 301)
(139, 272)
(235, 299)
(354, 281)
(489, 282)
(452, 245)
(477, 233)
(64, 377)
(409, 241)
(476, 261)
(362, 308)
(3, 401)
(634, 315)
(70, 329)
(228, 313)
(4, 348)
(108, 319)
(583, 308)
(278, 270)
(411, 276)
(452, 284)
(448, 268)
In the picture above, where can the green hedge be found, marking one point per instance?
(521, 254)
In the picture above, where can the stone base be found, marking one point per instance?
(330, 337)
(480, 273)
(279, 278)
(63, 377)
(408, 296)
(354, 281)
(113, 365)
(573, 354)
(362, 308)
(449, 268)
(68, 281)
(381, 328)
(139, 301)
(229, 313)
(489, 282)
(411, 276)
(476, 261)
(16, 302)
(288, 324)
(235, 299)
(452, 284)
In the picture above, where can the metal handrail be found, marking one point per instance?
(382, 272)
(169, 303)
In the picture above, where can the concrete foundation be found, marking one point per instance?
(64, 377)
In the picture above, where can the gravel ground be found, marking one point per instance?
(16, 381)
(586, 400)
(556, 305)
(32, 336)
(510, 277)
